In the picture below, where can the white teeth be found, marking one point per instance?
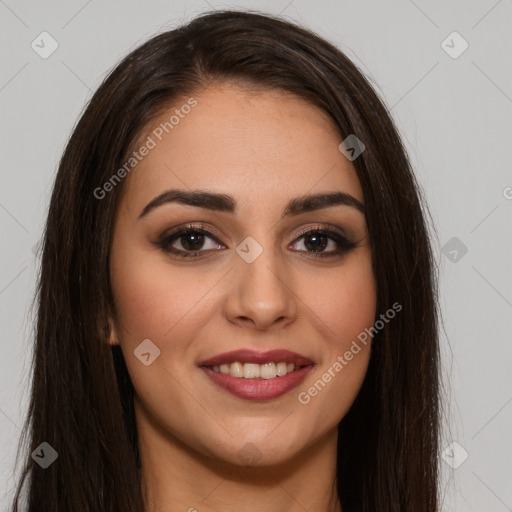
(254, 371)
(281, 369)
(236, 370)
(251, 371)
(268, 371)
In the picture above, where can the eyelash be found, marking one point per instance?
(165, 242)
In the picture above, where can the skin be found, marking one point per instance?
(263, 148)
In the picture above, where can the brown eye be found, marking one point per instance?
(192, 241)
(316, 242)
(323, 243)
(189, 242)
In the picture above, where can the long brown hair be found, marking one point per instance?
(81, 398)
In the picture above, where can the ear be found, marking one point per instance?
(113, 338)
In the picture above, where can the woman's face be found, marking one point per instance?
(253, 274)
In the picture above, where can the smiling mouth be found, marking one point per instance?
(254, 375)
(265, 371)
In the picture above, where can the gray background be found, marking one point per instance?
(454, 115)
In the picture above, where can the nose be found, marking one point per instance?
(261, 292)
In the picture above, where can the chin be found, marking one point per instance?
(250, 450)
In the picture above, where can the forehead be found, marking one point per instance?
(266, 144)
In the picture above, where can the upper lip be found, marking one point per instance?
(253, 356)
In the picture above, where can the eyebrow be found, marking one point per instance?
(226, 203)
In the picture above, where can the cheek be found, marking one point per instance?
(155, 302)
(166, 304)
(151, 298)
(343, 308)
(343, 301)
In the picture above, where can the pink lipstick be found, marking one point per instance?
(253, 375)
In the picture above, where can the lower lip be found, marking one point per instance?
(258, 389)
